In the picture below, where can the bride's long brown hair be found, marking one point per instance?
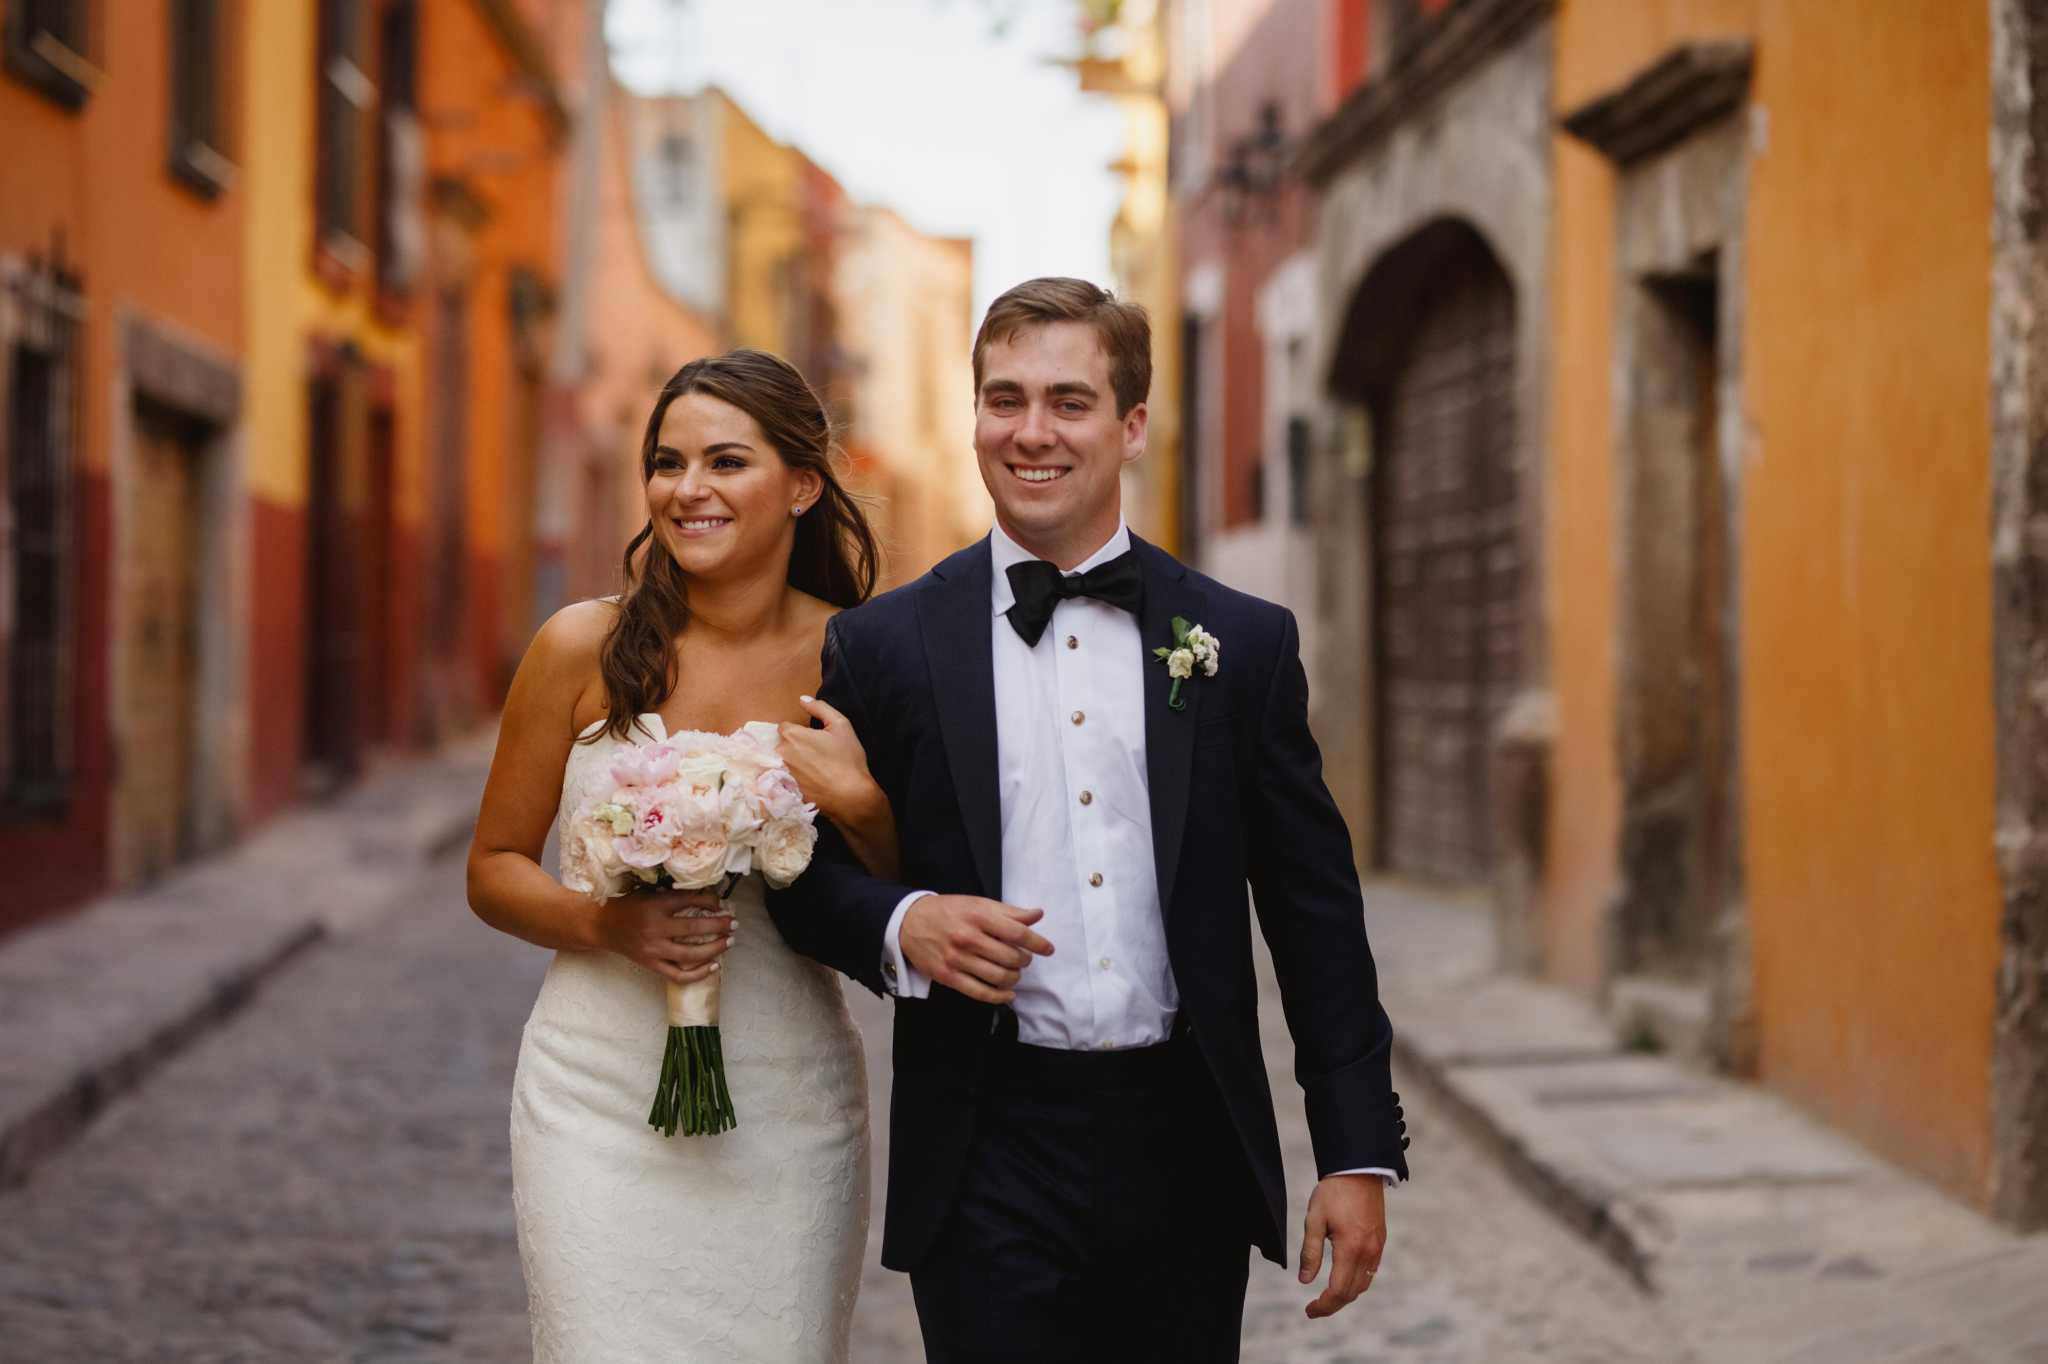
(835, 558)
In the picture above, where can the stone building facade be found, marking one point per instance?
(1676, 523)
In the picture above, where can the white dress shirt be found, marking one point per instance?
(1076, 821)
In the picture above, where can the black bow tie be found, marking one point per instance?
(1040, 587)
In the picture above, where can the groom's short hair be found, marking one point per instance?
(1121, 328)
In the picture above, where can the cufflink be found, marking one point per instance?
(889, 970)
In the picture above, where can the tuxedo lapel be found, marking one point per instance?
(958, 645)
(1169, 733)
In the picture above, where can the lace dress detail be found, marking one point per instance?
(745, 1246)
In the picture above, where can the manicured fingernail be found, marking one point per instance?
(807, 699)
(714, 966)
(729, 937)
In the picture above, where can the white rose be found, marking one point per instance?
(698, 863)
(589, 865)
(702, 769)
(784, 850)
(740, 811)
(697, 846)
(1180, 663)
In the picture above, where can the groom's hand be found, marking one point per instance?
(978, 947)
(1350, 1212)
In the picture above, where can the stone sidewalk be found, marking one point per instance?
(92, 1001)
(1767, 1237)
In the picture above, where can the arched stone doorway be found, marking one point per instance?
(1431, 347)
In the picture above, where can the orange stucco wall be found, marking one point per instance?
(99, 176)
(1869, 746)
(488, 128)
(142, 245)
(1867, 730)
(1600, 44)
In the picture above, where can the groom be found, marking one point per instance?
(1082, 1141)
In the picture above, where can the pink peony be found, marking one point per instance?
(644, 765)
(778, 794)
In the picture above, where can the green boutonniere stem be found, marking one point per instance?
(1174, 700)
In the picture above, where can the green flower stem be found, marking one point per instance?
(692, 1093)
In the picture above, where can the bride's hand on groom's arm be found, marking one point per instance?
(975, 946)
(657, 929)
(831, 769)
(830, 765)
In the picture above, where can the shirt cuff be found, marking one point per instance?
(904, 980)
(1388, 1175)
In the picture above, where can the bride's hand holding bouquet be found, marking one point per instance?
(642, 926)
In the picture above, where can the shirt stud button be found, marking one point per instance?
(1104, 963)
(1077, 717)
(1073, 643)
(1087, 797)
(1096, 879)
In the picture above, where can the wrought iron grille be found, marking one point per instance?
(43, 412)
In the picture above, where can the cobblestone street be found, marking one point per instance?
(326, 1178)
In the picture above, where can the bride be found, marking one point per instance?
(743, 1246)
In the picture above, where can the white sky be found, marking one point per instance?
(918, 104)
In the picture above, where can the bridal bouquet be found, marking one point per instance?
(695, 812)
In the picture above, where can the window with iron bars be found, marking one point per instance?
(48, 45)
(347, 101)
(201, 84)
(39, 324)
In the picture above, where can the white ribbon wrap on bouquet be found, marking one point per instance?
(694, 1005)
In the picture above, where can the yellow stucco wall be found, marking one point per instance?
(1867, 738)
(286, 305)
(761, 180)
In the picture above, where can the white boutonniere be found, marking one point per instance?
(1193, 647)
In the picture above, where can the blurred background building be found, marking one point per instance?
(1632, 401)
(1635, 400)
(331, 329)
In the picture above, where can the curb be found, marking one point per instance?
(1580, 1208)
(59, 1118)
(40, 1115)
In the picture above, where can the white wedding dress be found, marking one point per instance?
(745, 1246)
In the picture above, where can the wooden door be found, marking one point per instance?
(160, 653)
(334, 614)
(1448, 574)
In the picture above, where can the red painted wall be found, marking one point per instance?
(52, 864)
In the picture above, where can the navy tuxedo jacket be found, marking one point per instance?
(1237, 797)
